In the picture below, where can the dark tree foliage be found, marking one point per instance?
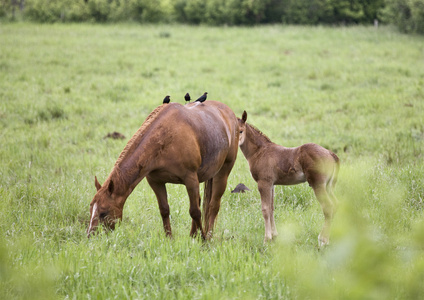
(408, 15)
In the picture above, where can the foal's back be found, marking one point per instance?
(319, 164)
(288, 166)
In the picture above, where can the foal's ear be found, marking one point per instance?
(244, 116)
(110, 187)
(96, 183)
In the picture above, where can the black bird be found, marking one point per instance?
(240, 188)
(187, 97)
(166, 100)
(202, 98)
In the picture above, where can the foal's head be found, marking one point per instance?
(242, 128)
(104, 207)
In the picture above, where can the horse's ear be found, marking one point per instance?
(96, 183)
(244, 116)
(110, 187)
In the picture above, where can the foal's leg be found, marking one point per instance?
(333, 198)
(192, 186)
(265, 189)
(328, 210)
(330, 187)
(273, 228)
(160, 191)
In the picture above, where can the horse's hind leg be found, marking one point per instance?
(266, 191)
(328, 209)
(160, 191)
(192, 186)
(219, 184)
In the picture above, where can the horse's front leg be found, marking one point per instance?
(192, 186)
(160, 191)
(265, 189)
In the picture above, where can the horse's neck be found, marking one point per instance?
(132, 169)
(132, 166)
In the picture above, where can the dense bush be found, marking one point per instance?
(331, 11)
(276, 11)
(100, 11)
(408, 15)
(221, 12)
(215, 12)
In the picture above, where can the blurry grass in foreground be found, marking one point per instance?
(364, 260)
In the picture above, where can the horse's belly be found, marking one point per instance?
(209, 170)
(166, 176)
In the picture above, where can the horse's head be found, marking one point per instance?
(105, 207)
(242, 128)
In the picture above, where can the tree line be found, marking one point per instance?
(407, 15)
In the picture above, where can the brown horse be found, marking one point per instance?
(177, 144)
(271, 164)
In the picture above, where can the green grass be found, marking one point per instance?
(355, 90)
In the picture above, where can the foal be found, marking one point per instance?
(271, 164)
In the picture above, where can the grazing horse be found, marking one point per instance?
(271, 164)
(181, 144)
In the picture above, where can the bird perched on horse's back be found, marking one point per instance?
(166, 100)
(202, 98)
(187, 97)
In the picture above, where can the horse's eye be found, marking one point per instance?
(241, 131)
(103, 215)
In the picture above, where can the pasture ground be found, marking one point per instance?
(355, 90)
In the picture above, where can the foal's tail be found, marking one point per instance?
(207, 196)
(333, 179)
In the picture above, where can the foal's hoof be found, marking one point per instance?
(267, 240)
(209, 235)
(322, 242)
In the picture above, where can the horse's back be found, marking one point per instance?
(200, 136)
(212, 123)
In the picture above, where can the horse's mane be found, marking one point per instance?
(116, 174)
(135, 139)
(260, 133)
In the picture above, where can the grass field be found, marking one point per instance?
(355, 90)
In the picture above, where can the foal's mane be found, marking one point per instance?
(258, 132)
(135, 139)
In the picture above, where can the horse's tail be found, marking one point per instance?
(207, 196)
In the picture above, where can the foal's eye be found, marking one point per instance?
(103, 215)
